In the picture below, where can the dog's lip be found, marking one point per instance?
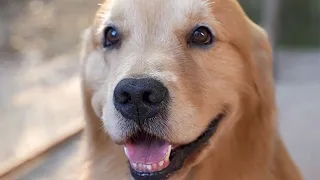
(179, 154)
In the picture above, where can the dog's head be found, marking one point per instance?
(166, 74)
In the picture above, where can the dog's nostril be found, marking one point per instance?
(154, 97)
(124, 98)
(146, 97)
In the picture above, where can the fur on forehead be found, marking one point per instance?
(146, 15)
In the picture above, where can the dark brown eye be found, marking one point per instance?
(111, 37)
(202, 36)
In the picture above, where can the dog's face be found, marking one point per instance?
(165, 73)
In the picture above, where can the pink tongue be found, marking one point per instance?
(147, 150)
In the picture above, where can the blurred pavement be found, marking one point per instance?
(298, 96)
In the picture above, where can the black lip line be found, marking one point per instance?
(180, 154)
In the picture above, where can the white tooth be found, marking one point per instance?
(144, 167)
(168, 153)
(161, 163)
(167, 157)
(149, 167)
(126, 151)
(134, 165)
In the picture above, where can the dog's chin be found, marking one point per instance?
(152, 158)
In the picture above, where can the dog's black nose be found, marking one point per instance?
(140, 99)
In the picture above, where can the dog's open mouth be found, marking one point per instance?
(153, 158)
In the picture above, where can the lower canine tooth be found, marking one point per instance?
(161, 163)
(126, 151)
(168, 154)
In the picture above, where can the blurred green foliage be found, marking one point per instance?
(299, 21)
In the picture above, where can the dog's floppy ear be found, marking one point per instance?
(251, 41)
(261, 60)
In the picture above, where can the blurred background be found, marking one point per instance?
(39, 84)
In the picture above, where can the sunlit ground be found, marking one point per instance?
(40, 96)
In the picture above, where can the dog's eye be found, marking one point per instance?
(111, 37)
(202, 36)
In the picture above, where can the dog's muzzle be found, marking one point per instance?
(143, 103)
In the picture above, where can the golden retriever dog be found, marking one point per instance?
(180, 89)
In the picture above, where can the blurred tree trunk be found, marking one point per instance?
(270, 20)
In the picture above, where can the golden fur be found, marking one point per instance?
(233, 76)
